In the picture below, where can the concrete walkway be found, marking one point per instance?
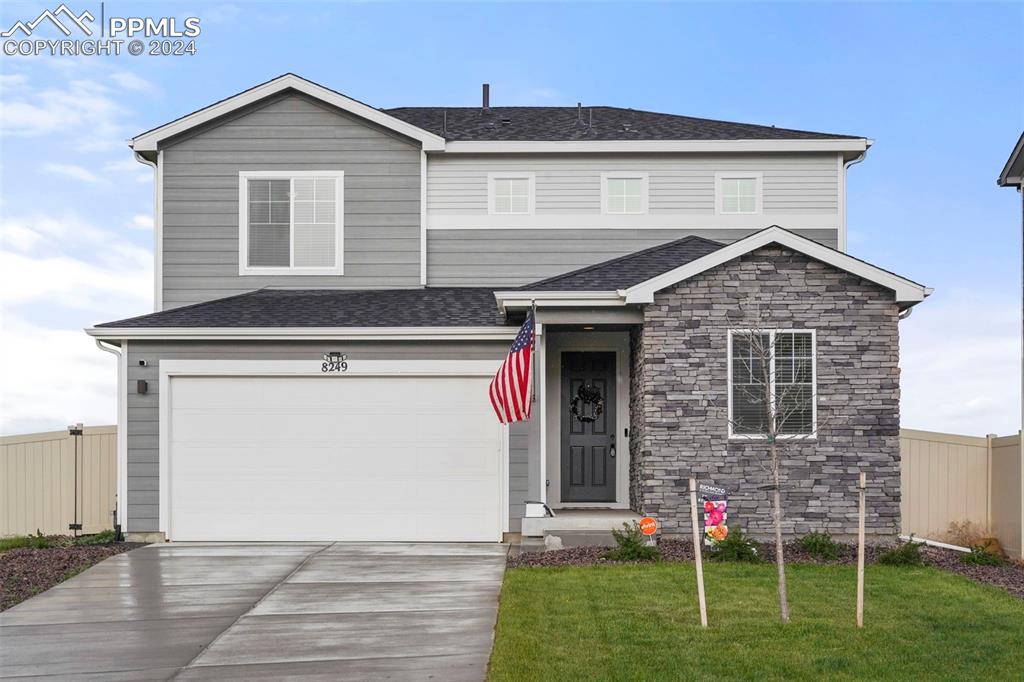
(264, 612)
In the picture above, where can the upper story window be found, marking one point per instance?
(772, 372)
(624, 193)
(738, 192)
(290, 223)
(510, 193)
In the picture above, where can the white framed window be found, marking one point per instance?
(510, 193)
(738, 193)
(291, 222)
(772, 371)
(624, 193)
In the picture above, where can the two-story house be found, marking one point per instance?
(336, 285)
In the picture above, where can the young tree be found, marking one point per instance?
(773, 398)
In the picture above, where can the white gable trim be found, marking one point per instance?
(907, 291)
(148, 141)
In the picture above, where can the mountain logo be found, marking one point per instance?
(53, 17)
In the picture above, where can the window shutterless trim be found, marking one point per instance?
(626, 175)
(814, 383)
(756, 176)
(244, 269)
(531, 192)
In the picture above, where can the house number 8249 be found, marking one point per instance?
(334, 362)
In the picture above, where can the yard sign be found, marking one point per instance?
(715, 505)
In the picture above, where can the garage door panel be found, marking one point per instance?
(339, 458)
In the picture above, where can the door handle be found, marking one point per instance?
(612, 448)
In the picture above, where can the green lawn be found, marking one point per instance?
(642, 623)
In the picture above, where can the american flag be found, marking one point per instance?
(510, 390)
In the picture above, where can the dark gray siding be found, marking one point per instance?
(144, 410)
(507, 257)
(291, 132)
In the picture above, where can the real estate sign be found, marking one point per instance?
(715, 503)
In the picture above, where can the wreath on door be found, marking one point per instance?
(588, 403)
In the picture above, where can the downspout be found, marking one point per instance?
(157, 227)
(846, 167)
(121, 498)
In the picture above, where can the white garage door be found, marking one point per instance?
(333, 458)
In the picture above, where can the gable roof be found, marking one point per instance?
(907, 292)
(586, 123)
(631, 269)
(149, 140)
(334, 308)
(1013, 171)
(591, 129)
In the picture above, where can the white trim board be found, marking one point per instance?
(150, 140)
(854, 145)
(307, 333)
(310, 369)
(631, 221)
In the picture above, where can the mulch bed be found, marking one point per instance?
(1009, 576)
(26, 572)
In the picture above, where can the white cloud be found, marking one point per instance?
(72, 171)
(44, 262)
(141, 222)
(131, 81)
(50, 378)
(10, 81)
(961, 366)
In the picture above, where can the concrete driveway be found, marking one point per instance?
(254, 612)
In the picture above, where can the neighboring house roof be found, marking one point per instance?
(555, 124)
(907, 292)
(1013, 171)
(631, 269)
(298, 308)
(435, 126)
(149, 140)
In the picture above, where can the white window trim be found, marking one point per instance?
(531, 200)
(626, 175)
(243, 227)
(756, 176)
(814, 383)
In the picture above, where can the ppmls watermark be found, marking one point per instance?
(114, 35)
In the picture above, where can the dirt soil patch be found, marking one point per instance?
(1010, 576)
(25, 572)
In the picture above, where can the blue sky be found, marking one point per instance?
(937, 86)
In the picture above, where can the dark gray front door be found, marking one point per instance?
(588, 426)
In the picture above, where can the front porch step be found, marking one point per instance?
(568, 521)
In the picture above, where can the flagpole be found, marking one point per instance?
(533, 353)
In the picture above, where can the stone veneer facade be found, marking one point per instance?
(679, 400)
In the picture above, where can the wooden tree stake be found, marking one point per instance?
(696, 553)
(860, 555)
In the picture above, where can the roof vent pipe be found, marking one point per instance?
(487, 98)
(579, 112)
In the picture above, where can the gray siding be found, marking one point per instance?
(144, 410)
(679, 183)
(519, 256)
(292, 132)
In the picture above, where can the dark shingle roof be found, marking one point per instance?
(430, 307)
(631, 269)
(608, 123)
